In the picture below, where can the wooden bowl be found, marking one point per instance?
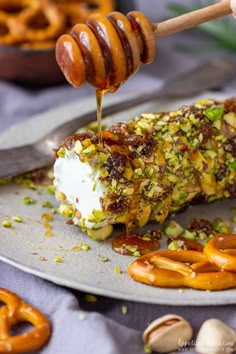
(30, 66)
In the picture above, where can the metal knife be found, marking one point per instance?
(213, 74)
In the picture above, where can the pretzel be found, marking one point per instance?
(79, 11)
(33, 23)
(169, 269)
(107, 50)
(16, 311)
(11, 30)
(215, 251)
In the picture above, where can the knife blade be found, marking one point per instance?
(213, 74)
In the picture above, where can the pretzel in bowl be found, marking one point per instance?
(15, 311)
(31, 23)
(182, 268)
(221, 251)
(11, 29)
(78, 11)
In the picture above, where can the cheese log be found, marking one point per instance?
(148, 168)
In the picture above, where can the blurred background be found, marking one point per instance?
(28, 35)
(28, 69)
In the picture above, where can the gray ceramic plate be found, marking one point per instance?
(27, 247)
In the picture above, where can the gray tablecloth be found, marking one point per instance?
(80, 327)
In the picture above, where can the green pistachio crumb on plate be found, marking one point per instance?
(28, 200)
(124, 310)
(104, 259)
(6, 223)
(17, 218)
(85, 247)
(147, 349)
(51, 189)
(47, 204)
(117, 270)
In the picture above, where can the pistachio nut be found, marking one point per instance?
(168, 333)
(215, 337)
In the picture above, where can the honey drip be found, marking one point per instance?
(99, 99)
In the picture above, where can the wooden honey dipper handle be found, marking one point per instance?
(192, 19)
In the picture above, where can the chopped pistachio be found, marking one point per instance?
(61, 152)
(146, 237)
(51, 189)
(175, 245)
(205, 242)
(90, 298)
(232, 165)
(230, 118)
(61, 196)
(17, 218)
(202, 235)
(28, 200)
(6, 223)
(58, 259)
(85, 247)
(117, 270)
(214, 113)
(132, 249)
(136, 254)
(47, 204)
(189, 235)
(124, 310)
(221, 226)
(173, 229)
(67, 211)
(50, 174)
(147, 349)
(104, 259)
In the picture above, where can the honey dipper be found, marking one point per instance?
(106, 51)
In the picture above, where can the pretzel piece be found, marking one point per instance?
(12, 30)
(169, 269)
(79, 11)
(16, 311)
(214, 251)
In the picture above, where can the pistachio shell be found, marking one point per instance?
(168, 333)
(215, 337)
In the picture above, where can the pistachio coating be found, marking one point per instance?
(152, 166)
